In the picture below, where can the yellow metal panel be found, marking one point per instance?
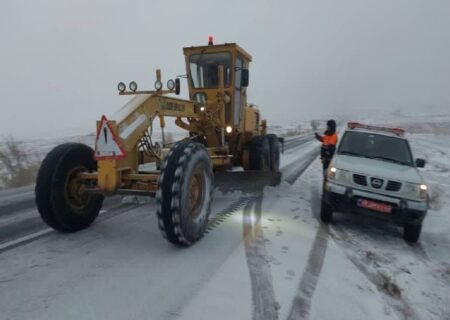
(108, 175)
(251, 120)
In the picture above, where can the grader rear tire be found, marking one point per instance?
(43, 184)
(185, 193)
(259, 154)
(274, 146)
(60, 197)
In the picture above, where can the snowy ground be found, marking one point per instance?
(264, 257)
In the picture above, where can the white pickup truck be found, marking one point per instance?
(373, 173)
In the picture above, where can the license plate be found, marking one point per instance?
(375, 206)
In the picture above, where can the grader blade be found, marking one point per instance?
(246, 181)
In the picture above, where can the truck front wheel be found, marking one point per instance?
(411, 232)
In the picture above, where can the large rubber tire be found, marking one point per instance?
(184, 193)
(58, 204)
(259, 151)
(274, 146)
(43, 184)
(411, 232)
(326, 212)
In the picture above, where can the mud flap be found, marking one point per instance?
(246, 181)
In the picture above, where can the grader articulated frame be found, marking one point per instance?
(223, 132)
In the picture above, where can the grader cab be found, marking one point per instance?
(222, 132)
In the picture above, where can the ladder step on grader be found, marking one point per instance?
(223, 132)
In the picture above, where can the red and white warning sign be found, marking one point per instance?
(107, 144)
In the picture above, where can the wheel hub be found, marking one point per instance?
(75, 192)
(196, 193)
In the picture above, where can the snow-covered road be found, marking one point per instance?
(266, 256)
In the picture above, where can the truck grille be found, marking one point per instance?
(393, 186)
(360, 179)
(376, 183)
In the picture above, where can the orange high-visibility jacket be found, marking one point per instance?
(329, 140)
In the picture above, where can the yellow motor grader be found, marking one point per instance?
(222, 132)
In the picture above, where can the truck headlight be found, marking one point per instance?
(338, 175)
(416, 190)
(332, 173)
(423, 191)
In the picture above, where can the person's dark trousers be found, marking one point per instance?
(326, 164)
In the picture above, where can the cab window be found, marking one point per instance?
(204, 69)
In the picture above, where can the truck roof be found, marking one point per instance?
(376, 132)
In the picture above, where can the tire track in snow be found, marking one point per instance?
(419, 251)
(298, 171)
(384, 284)
(373, 229)
(302, 302)
(265, 306)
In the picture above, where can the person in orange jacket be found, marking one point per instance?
(329, 141)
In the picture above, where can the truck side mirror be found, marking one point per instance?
(420, 163)
(177, 86)
(244, 78)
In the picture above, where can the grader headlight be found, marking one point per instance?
(121, 87)
(171, 84)
(133, 86)
(158, 85)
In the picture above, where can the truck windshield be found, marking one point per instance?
(204, 69)
(376, 146)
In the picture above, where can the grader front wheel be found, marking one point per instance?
(185, 193)
(60, 196)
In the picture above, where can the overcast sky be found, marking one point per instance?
(61, 60)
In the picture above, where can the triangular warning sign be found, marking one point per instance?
(107, 145)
